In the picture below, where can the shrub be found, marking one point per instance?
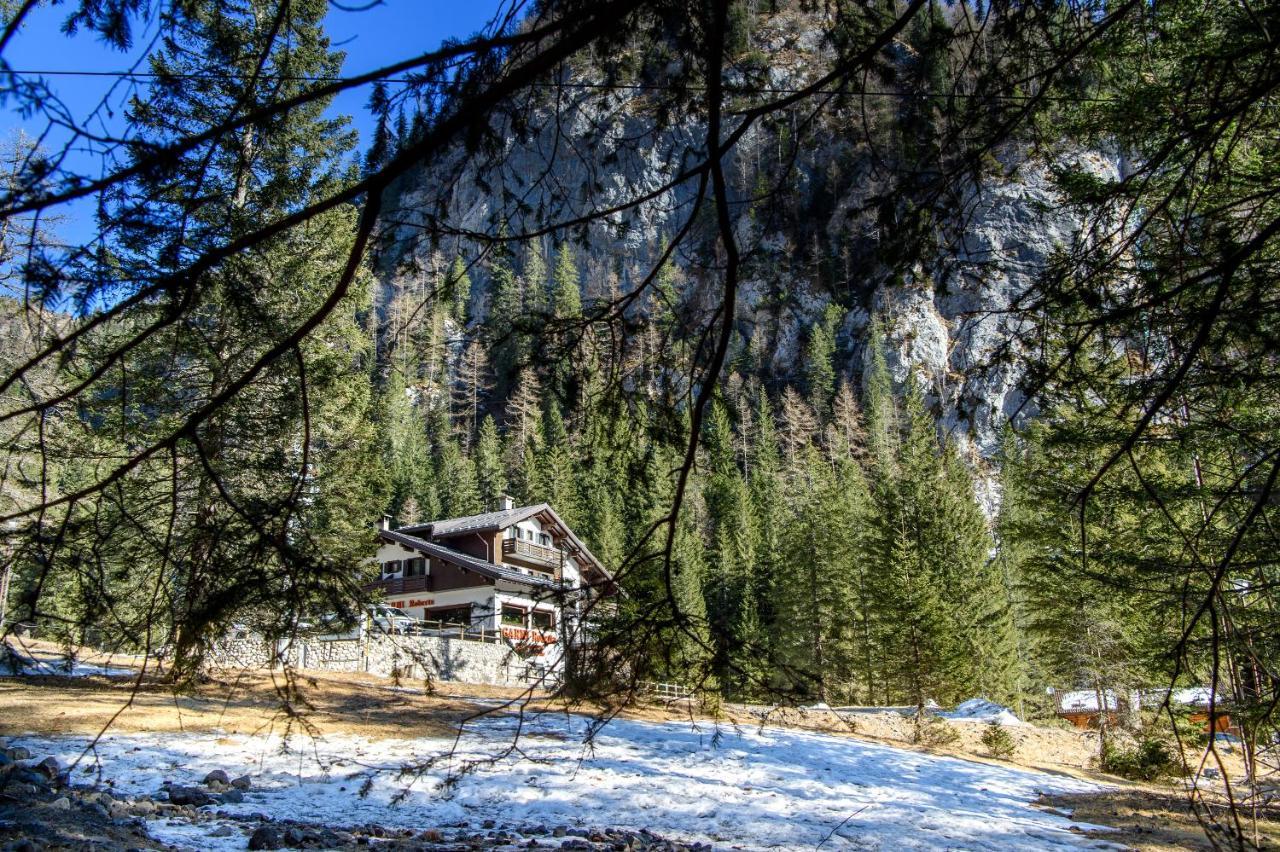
(1151, 759)
(999, 742)
(932, 731)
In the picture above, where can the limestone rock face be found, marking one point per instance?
(950, 324)
(942, 310)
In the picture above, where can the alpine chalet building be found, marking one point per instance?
(518, 570)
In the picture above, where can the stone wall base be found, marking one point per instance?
(406, 657)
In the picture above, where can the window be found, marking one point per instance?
(392, 567)
(543, 620)
(544, 539)
(511, 532)
(512, 616)
(416, 567)
(458, 615)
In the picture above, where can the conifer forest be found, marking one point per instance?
(887, 353)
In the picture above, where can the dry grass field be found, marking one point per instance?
(1147, 817)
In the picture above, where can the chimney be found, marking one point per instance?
(506, 502)
(385, 523)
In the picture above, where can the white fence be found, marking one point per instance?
(667, 691)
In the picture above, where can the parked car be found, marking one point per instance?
(388, 619)
(377, 619)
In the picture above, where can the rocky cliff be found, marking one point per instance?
(828, 211)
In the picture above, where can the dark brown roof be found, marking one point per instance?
(471, 563)
(500, 520)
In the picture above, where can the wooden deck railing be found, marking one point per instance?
(400, 585)
(529, 550)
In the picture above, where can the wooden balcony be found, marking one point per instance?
(527, 551)
(400, 585)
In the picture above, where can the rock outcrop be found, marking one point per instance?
(828, 237)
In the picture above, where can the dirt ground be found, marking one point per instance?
(1059, 749)
(1145, 817)
(252, 702)
(260, 701)
(1160, 820)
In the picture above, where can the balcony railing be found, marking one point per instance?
(400, 585)
(531, 552)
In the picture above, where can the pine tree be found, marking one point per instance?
(853, 519)
(458, 291)
(534, 281)
(491, 471)
(273, 488)
(818, 607)
(506, 309)
(456, 475)
(923, 655)
(819, 363)
(380, 149)
(606, 529)
(566, 293)
(524, 413)
(770, 510)
(406, 452)
(685, 647)
(732, 553)
(610, 463)
(559, 472)
(1083, 631)
(881, 405)
(847, 433)
(977, 599)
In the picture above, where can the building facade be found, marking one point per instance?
(518, 571)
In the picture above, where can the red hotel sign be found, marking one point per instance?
(412, 602)
(521, 634)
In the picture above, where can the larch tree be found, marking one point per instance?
(471, 388)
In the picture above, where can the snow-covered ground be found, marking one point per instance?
(43, 661)
(35, 666)
(982, 710)
(758, 789)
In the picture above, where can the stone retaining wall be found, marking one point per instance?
(409, 657)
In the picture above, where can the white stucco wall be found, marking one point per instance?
(533, 530)
(393, 550)
(416, 604)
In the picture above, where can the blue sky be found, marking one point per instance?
(392, 30)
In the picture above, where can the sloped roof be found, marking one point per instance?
(1086, 701)
(500, 520)
(483, 567)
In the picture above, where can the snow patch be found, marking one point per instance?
(1086, 700)
(755, 788)
(982, 710)
(32, 666)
